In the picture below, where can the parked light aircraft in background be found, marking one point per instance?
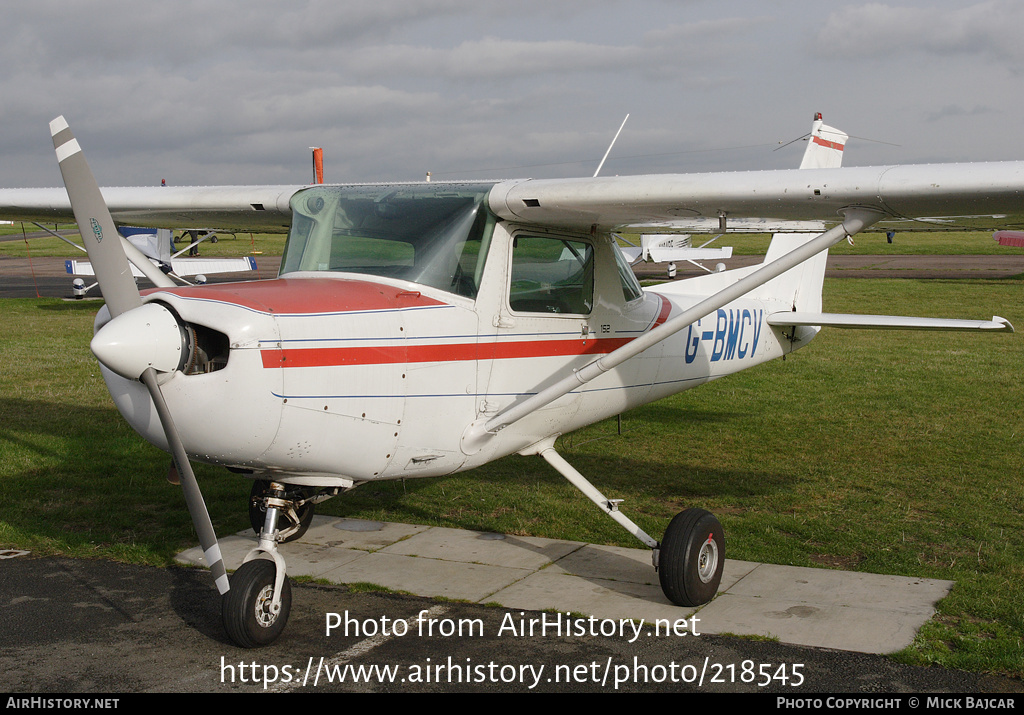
(157, 244)
(422, 329)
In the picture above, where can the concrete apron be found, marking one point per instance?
(861, 612)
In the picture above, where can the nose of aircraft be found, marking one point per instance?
(144, 337)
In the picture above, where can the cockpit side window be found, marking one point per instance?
(551, 275)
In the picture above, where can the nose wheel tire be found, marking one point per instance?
(692, 556)
(246, 608)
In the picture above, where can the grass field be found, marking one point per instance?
(886, 452)
(243, 244)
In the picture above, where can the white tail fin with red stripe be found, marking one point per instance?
(824, 146)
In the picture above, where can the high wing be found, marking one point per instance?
(248, 208)
(977, 196)
(973, 196)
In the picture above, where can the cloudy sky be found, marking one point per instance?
(232, 92)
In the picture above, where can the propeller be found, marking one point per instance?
(132, 357)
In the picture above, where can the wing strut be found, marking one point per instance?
(546, 449)
(855, 220)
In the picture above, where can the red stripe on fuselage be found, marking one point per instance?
(447, 352)
(666, 308)
(390, 354)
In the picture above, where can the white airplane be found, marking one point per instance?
(156, 244)
(423, 329)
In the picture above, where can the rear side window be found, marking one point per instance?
(631, 289)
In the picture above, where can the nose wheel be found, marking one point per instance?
(250, 615)
(255, 609)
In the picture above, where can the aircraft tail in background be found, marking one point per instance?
(824, 146)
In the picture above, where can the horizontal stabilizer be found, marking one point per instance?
(195, 266)
(885, 322)
(664, 255)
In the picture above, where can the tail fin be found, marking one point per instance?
(799, 287)
(318, 164)
(824, 146)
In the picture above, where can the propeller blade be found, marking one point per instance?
(189, 485)
(102, 241)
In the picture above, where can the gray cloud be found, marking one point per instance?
(235, 92)
(882, 30)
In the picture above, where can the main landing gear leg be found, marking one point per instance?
(691, 555)
(255, 610)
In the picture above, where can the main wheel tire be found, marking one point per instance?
(692, 558)
(289, 530)
(245, 608)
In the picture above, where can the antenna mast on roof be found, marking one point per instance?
(610, 146)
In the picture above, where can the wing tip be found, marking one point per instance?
(1007, 326)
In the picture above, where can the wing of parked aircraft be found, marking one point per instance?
(156, 245)
(178, 266)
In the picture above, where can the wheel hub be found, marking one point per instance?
(265, 615)
(707, 559)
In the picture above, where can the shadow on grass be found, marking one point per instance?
(77, 480)
(526, 496)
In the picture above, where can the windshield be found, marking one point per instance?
(433, 234)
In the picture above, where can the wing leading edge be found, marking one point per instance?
(977, 196)
(248, 208)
